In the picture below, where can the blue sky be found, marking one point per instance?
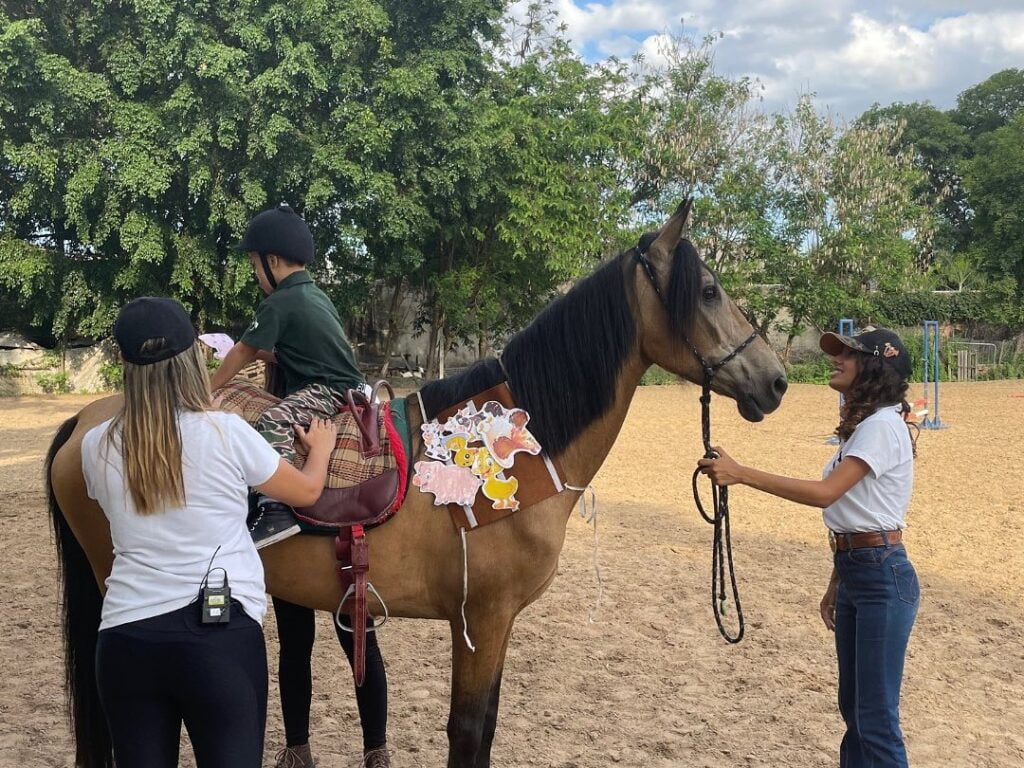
(850, 53)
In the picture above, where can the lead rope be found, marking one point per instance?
(721, 545)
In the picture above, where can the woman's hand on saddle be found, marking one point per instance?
(723, 470)
(320, 437)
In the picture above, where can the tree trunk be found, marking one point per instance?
(391, 331)
(788, 348)
(436, 346)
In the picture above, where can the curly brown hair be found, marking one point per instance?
(877, 384)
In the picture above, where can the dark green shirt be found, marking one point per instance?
(300, 325)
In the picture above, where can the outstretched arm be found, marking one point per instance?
(814, 493)
(240, 356)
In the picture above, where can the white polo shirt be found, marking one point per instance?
(880, 500)
(160, 559)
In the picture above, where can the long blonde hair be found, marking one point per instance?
(147, 427)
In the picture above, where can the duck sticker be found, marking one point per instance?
(475, 443)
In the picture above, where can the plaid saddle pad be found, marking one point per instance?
(366, 479)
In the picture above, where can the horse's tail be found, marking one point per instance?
(81, 606)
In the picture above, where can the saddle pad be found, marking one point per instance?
(539, 476)
(348, 466)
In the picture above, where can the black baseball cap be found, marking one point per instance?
(151, 317)
(281, 231)
(880, 342)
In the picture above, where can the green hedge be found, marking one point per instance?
(908, 309)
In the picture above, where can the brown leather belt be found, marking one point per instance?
(843, 542)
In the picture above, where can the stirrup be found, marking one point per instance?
(376, 622)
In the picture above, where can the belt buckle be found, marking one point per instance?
(832, 541)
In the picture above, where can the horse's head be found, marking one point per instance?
(687, 322)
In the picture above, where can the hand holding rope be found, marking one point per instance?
(721, 545)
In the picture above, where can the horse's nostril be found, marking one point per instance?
(780, 385)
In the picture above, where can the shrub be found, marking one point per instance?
(54, 383)
(658, 376)
(112, 375)
(814, 371)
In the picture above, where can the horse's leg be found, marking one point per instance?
(483, 756)
(476, 678)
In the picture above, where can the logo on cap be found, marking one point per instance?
(890, 350)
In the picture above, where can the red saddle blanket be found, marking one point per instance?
(368, 469)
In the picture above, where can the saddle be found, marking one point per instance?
(366, 484)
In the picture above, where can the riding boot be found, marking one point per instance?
(376, 758)
(273, 522)
(295, 757)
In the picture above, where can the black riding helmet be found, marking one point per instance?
(280, 231)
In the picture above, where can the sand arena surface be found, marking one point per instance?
(650, 683)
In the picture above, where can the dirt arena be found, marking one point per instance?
(649, 683)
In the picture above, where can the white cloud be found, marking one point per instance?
(848, 52)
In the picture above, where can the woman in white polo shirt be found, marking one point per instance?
(873, 594)
(172, 477)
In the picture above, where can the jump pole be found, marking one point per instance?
(931, 373)
(845, 329)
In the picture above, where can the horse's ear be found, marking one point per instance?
(669, 234)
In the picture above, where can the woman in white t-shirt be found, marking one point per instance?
(872, 598)
(173, 477)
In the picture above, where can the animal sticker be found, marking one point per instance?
(472, 451)
(505, 434)
(450, 483)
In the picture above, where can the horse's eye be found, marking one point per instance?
(710, 292)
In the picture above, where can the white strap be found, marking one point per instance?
(588, 512)
(465, 591)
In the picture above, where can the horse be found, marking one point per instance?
(574, 369)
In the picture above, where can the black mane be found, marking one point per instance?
(563, 367)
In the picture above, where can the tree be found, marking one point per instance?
(138, 139)
(995, 180)
(991, 104)
(939, 145)
(529, 196)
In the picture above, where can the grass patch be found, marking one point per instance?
(657, 376)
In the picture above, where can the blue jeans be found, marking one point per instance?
(876, 606)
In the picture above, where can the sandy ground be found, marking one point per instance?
(649, 683)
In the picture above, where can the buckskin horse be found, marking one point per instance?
(574, 369)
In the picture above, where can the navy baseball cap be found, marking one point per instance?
(151, 317)
(880, 342)
(280, 231)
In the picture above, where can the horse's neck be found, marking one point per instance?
(585, 455)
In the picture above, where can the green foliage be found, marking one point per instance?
(972, 157)
(817, 370)
(8, 370)
(995, 179)
(112, 375)
(479, 162)
(54, 382)
(910, 308)
(991, 104)
(1012, 368)
(658, 376)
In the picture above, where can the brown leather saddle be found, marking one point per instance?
(366, 484)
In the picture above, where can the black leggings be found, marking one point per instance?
(155, 673)
(296, 629)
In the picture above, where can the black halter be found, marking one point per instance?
(721, 548)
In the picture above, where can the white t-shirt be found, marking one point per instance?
(879, 501)
(160, 559)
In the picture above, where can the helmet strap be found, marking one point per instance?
(266, 270)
